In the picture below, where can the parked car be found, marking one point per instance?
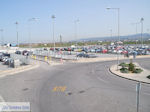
(92, 50)
(98, 50)
(25, 52)
(8, 61)
(18, 52)
(45, 49)
(104, 51)
(1, 56)
(92, 56)
(52, 49)
(83, 55)
(124, 52)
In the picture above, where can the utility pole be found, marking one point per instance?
(29, 30)
(142, 19)
(138, 87)
(76, 36)
(53, 18)
(17, 33)
(118, 10)
(2, 40)
(111, 33)
(60, 39)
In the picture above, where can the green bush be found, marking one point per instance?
(124, 70)
(137, 70)
(148, 77)
(131, 67)
(123, 65)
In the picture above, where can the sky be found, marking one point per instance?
(94, 19)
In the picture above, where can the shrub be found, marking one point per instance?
(131, 67)
(123, 65)
(124, 70)
(137, 70)
(148, 77)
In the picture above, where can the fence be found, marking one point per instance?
(23, 59)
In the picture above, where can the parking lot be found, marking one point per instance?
(15, 58)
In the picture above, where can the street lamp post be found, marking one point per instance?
(142, 19)
(118, 10)
(110, 33)
(75, 33)
(2, 40)
(135, 26)
(53, 18)
(136, 32)
(17, 33)
(29, 29)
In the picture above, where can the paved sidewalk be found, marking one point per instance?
(12, 71)
(132, 76)
(4, 67)
(106, 58)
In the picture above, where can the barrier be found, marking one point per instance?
(45, 58)
(23, 59)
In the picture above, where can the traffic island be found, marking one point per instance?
(136, 73)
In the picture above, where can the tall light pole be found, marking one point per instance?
(136, 32)
(60, 39)
(29, 29)
(53, 20)
(17, 33)
(136, 24)
(2, 40)
(118, 10)
(110, 33)
(75, 33)
(142, 19)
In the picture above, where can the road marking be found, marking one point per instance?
(15, 71)
(59, 88)
(102, 80)
(147, 94)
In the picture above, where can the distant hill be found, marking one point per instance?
(146, 36)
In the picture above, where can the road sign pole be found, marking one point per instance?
(138, 86)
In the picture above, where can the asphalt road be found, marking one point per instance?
(90, 87)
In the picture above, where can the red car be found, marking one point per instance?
(104, 51)
(51, 49)
(124, 52)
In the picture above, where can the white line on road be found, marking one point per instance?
(102, 80)
(147, 94)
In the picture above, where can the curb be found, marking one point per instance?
(42, 61)
(17, 70)
(127, 78)
(107, 59)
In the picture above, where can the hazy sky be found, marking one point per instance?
(94, 19)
